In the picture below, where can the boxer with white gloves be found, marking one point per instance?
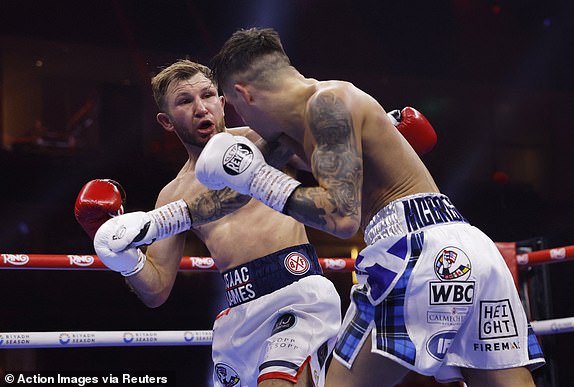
(99, 210)
(273, 281)
(116, 241)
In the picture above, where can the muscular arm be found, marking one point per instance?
(335, 205)
(154, 282)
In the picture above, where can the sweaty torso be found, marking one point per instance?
(249, 232)
(391, 168)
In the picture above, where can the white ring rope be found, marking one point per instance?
(550, 327)
(172, 338)
(103, 339)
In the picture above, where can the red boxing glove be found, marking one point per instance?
(98, 201)
(415, 128)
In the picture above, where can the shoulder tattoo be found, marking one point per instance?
(336, 162)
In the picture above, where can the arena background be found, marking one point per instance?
(495, 78)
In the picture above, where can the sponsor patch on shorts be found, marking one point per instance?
(497, 320)
(439, 343)
(284, 322)
(226, 375)
(297, 263)
(452, 264)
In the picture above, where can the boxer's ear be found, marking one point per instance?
(243, 92)
(164, 120)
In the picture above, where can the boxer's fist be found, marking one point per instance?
(415, 128)
(235, 162)
(143, 228)
(229, 161)
(125, 261)
(98, 201)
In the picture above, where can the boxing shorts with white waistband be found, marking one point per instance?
(435, 294)
(283, 315)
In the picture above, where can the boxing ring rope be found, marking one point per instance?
(189, 263)
(69, 339)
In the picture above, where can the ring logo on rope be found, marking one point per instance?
(202, 263)
(237, 158)
(559, 253)
(188, 336)
(128, 337)
(334, 264)
(64, 338)
(297, 263)
(16, 259)
(81, 260)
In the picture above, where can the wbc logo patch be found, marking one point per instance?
(452, 264)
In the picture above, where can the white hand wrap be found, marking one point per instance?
(166, 221)
(116, 240)
(272, 187)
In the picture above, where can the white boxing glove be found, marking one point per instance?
(127, 262)
(116, 240)
(237, 163)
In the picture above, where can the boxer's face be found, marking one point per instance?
(194, 110)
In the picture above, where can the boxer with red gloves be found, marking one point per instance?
(98, 201)
(369, 179)
(415, 128)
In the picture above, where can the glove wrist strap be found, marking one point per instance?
(139, 266)
(272, 187)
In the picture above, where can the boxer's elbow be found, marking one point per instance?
(155, 301)
(151, 297)
(346, 226)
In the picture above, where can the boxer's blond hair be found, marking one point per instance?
(180, 70)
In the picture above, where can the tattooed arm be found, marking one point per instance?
(213, 205)
(335, 205)
(154, 282)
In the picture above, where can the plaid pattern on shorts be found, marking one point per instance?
(388, 316)
(534, 349)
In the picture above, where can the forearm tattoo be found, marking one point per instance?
(213, 205)
(336, 165)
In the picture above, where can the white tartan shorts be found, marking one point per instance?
(436, 299)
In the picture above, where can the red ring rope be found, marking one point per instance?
(92, 262)
(73, 261)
